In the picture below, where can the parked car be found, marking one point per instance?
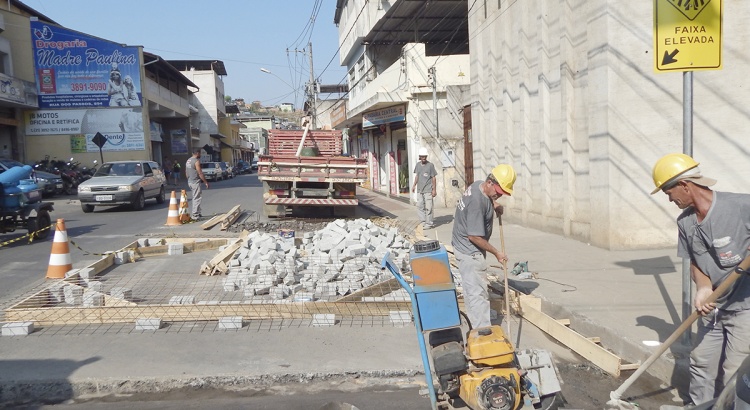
(242, 167)
(49, 183)
(212, 171)
(254, 165)
(224, 170)
(123, 182)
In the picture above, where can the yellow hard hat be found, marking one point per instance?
(670, 166)
(505, 176)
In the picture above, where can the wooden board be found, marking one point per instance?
(602, 358)
(378, 289)
(190, 246)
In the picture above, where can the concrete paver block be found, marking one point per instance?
(230, 322)
(327, 319)
(73, 295)
(121, 293)
(93, 299)
(148, 324)
(17, 328)
(400, 317)
(175, 248)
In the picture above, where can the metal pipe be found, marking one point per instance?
(687, 148)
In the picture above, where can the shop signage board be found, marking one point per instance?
(76, 70)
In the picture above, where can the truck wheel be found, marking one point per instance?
(139, 202)
(87, 209)
(161, 197)
(41, 223)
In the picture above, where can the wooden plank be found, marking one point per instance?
(231, 217)
(221, 257)
(104, 263)
(190, 246)
(594, 353)
(378, 289)
(630, 366)
(564, 322)
(177, 313)
(212, 222)
(595, 339)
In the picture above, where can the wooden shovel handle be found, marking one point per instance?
(720, 290)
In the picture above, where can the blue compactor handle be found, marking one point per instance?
(433, 296)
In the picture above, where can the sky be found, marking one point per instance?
(246, 35)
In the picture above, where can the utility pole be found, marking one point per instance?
(312, 92)
(433, 76)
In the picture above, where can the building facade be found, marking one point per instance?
(567, 93)
(405, 91)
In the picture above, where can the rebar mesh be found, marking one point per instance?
(264, 279)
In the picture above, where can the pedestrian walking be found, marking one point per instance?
(472, 229)
(167, 167)
(195, 175)
(714, 232)
(176, 169)
(425, 187)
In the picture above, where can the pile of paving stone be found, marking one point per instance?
(342, 257)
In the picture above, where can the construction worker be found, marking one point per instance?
(425, 186)
(195, 175)
(714, 232)
(472, 228)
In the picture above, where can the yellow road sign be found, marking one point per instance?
(687, 35)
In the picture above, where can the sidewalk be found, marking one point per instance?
(622, 297)
(625, 298)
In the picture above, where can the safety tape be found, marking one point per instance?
(30, 235)
(85, 252)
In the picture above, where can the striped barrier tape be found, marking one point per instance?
(30, 235)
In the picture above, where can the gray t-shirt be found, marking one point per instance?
(424, 173)
(474, 216)
(190, 171)
(719, 243)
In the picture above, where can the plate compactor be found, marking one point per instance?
(481, 371)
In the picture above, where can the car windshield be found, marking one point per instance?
(120, 169)
(209, 165)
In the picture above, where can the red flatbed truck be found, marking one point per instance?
(313, 173)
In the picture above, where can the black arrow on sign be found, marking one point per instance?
(669, 57)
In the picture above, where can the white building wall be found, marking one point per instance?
(565, 91)
(209, 100)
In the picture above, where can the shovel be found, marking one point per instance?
(615, 402)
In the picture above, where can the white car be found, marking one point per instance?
(123, 182)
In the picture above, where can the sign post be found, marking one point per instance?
(100, 140)
(687, 37)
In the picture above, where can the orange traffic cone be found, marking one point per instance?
(172, 217)
(59, 258)
(184, 214)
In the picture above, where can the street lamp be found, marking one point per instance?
(267, 71)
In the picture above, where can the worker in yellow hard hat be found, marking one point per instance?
(472, 228)
(714, 232)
